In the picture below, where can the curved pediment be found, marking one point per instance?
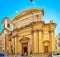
(46, 41)
(24, 39)
(28, 12)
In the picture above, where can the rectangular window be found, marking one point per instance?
(58, 38)
(58, 45)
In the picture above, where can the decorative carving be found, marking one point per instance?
(24, 39)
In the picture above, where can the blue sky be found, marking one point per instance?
(51, 10)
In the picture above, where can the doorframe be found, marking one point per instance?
(23, 48)
(46, 49)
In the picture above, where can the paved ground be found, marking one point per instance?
(15, 56)
(24, 56)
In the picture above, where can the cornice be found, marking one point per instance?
(5, 18)
(46, 41)
(31, 25)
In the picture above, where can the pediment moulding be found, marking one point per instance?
(28, 13)
(24, 39)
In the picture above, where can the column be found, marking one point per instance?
(9, 46)
(50, 48)
(36, 41)
(52, 41)
(19, 47)
(12, 46)
(6, 43)
(40, 41)
(31, 43)
(16, 45)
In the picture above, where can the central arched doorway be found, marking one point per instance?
(25, 48)
(46, 49)
(24, 45)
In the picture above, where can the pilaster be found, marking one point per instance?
(52, 40)
(16, 45)
(40, 41)
(36, 42)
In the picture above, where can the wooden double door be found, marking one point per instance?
(46, 49)
(24, 48)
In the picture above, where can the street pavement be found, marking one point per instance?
(15, 56)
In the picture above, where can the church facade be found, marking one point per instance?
(28, 33)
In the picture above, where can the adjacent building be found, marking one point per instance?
(57, 43)
(28, 33)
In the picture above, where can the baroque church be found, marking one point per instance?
(28, 33)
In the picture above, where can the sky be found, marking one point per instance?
(51, 9)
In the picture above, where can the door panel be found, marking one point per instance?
(25, 48)
(45, 49)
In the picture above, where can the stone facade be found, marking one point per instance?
(30, 34)
(57, 43)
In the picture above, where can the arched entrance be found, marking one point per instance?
(25, 48)
(46, 49)
(46, 46)
(24, 45)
